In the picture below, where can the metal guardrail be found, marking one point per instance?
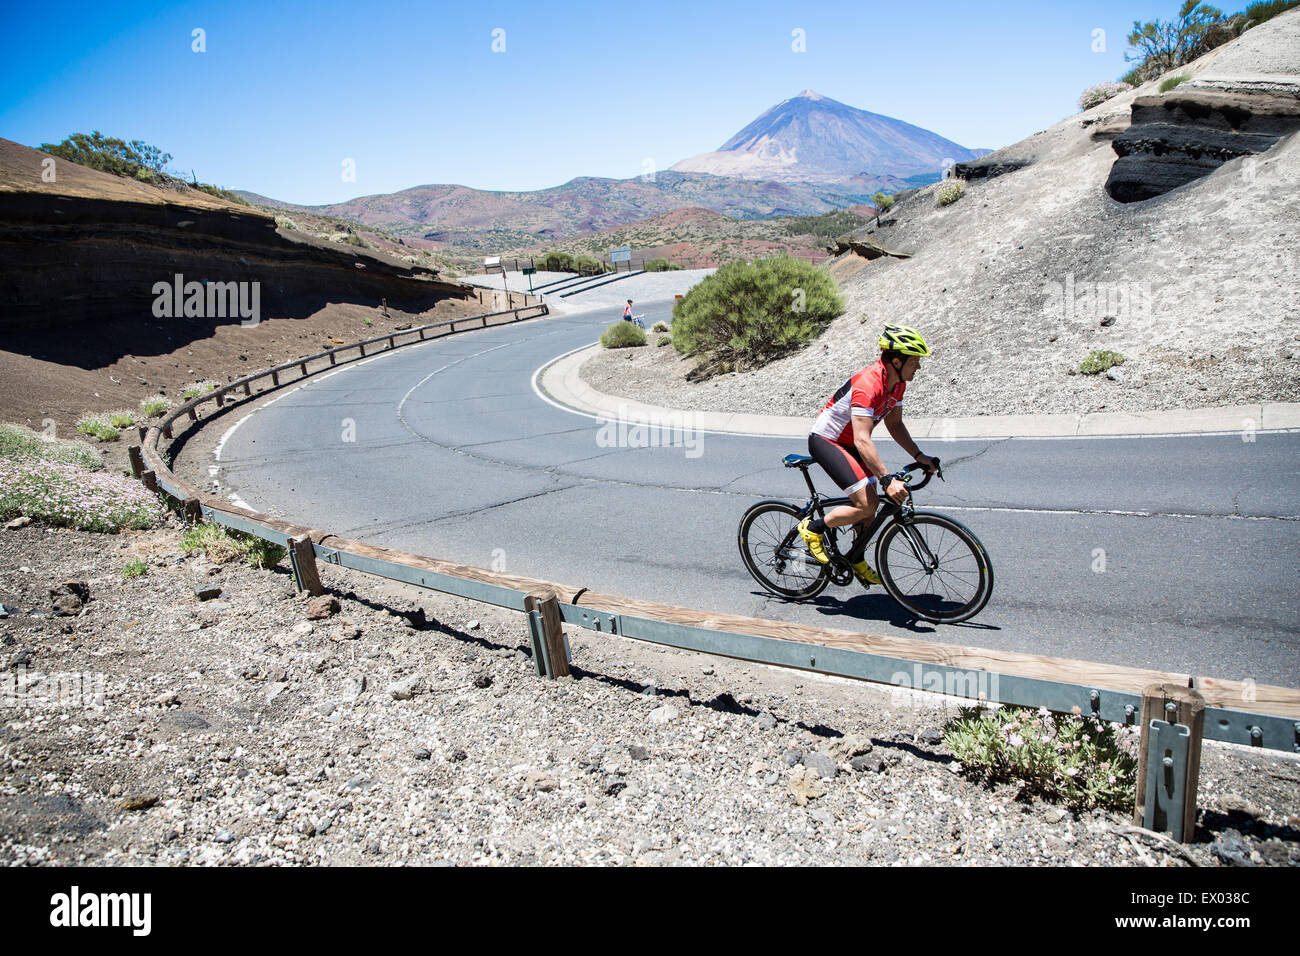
(1270, 731)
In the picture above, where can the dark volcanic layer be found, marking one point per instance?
(72, 259)
(89, 247)
(81, 252)
(1184, 135)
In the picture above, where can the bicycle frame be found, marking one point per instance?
(886, 510)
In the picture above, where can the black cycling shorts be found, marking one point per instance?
(842, 463)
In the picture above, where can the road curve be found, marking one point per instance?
(1178, 553)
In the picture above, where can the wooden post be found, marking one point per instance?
(332, 359)
(1189, 710)
(390, 342)
(137, 462)
(192, 510)
(149, 480)
(141, 430)
(303, 366)
(275, 379)
(194, 416)
(548, 608)
(363, 350)
(302, 556)
(167, 430)
(248, 388)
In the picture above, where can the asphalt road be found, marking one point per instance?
(446, 449)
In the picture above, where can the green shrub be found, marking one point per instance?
(950, 192)
(134, 569)
(220, 545)
(195, 389)
(659, 327)
(1096, 95)
(18, 441)
(745, 315)
(60, 493)
(1257, 13)
(121, 419)
(1133, 77)
(155, 405)
(622, 335)
(1169, 83)
(1079, 760)
(659, 265)
(1098, 361)
(352, 239)
(111, 155)
(664, 340)
(590, 265)
(555, 262)
(263, 554)
(827, 225)
(96, 427)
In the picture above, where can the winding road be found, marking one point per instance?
(1163, 552)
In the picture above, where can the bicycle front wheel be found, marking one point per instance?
(775, 554)
(935, 568)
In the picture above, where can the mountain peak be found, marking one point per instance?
(813, 138)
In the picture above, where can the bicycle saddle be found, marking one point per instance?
(796, 461)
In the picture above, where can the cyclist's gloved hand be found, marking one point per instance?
(927, 462)
(896, 490)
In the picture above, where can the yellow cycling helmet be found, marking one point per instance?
(900, 338)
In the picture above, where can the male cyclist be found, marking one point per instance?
(841, 440)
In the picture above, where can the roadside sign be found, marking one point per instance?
(530, 270)
(621, 254)
(493, 264)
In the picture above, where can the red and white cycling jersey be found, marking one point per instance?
(863, 394)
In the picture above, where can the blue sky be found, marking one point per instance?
(414, 93)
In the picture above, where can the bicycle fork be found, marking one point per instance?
(920, 549)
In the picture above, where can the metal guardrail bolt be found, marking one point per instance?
(1256, 734)
(1171, 708)
(1169, 763)
(1129, 711)
(1094, 698)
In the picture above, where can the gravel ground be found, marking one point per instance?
(1196, 288)
(239, 731)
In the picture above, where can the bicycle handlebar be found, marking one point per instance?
(905, 474)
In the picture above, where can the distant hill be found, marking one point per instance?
(694, 235)
(805, 156)
(814, 139)
(483, 219)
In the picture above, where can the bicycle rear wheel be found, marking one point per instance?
(935, 567)
(775, 554)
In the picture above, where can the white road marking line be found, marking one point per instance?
(1116, 513)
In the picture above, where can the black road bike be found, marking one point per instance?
(930, 564)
